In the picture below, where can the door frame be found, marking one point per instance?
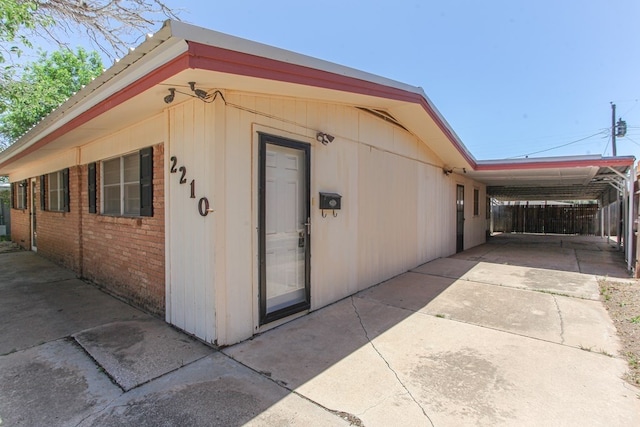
(263, 140)
(460, 230)
(33, 220)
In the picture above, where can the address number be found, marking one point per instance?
(203, 203)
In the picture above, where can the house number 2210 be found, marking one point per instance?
(203, 203)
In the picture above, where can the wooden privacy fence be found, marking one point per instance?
(572, 219)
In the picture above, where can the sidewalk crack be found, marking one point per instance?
(366, 334)
(351, 418)
(555, 300)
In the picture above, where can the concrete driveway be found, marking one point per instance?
(508, 333)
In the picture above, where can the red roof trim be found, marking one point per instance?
(215, 58)
(228, 61)
(577, 163)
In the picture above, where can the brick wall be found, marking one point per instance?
(123, 255)
(59, 232)
(21, 228)
(126, 255)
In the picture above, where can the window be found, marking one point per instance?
(127, 184)
(57, 191)
(20, 195)
(476, 202)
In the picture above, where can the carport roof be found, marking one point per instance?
(551, 178)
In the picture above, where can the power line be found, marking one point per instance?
(606, 146)
(601, 132)
(632, 140)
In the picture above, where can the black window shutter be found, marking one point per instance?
(25, 184)
(14, 193)
(43, 193)
(65, 189)
(92, 188)
(146, 181)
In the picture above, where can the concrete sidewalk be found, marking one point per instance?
(509, 333)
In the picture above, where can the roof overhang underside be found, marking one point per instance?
(559, 178)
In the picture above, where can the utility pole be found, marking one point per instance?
(613, 128)
(617, 129)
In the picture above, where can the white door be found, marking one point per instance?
(284, 228)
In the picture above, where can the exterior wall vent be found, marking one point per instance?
(381, 114)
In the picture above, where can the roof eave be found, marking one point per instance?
(195, 40)
(554, 162)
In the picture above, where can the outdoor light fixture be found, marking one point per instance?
(199, 92)
(324, 138)
(169, 98)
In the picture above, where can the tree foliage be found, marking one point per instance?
(42, 86)
(13, 17)
(109, 25)
(29, 92)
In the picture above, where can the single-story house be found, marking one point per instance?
(231, 186)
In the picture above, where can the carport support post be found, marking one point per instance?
(625, 216)
(625, 226)
(608, 223)
(629, 223)
(637, 272)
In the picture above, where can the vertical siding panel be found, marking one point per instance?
(300, 115)
(177, 249)
(189, 223)
(207, 189)
(168, 246)
(198, 170)
(219, 197)
(190, 259)
(366, 263)
(334, 239)
(239, 205)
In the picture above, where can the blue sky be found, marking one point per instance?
(512, 77)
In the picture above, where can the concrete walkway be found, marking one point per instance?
(509, 333)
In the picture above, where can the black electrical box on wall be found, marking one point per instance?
(330, 201)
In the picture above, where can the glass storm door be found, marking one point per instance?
(34, 198)
(283, 227)
(459, 218)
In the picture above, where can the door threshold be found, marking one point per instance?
(282, 321)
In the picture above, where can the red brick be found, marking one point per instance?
(123, 255)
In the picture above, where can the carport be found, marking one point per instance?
(608, 180)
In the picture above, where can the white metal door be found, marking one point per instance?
(284, 232)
